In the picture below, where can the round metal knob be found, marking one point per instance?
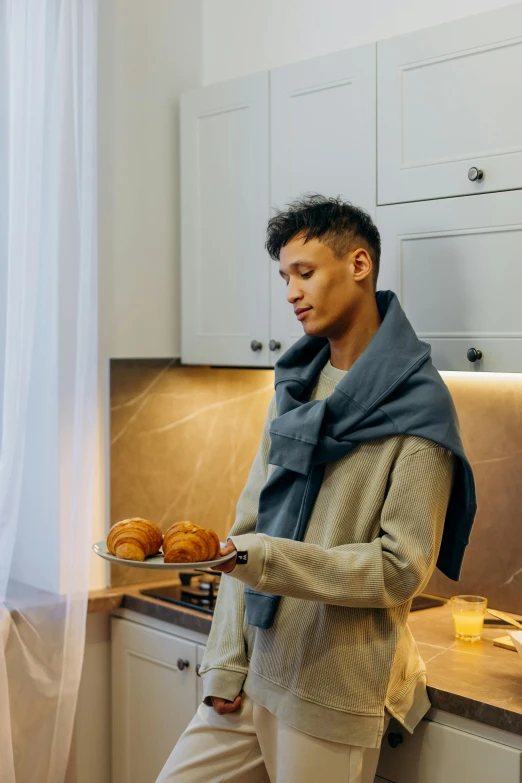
(474, 355)
(198, 667)
(274, 345)
(183, 664)
(256, 345)
(475, 174)
(394, 739)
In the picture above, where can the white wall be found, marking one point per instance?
(244, 36)
(148, 53)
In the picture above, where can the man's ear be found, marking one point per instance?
(362, 264)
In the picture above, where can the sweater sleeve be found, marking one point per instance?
(224, 666)
(383, 573)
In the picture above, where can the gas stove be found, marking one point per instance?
(198, 590)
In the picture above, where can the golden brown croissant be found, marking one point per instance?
(134, 539)
(185, 542)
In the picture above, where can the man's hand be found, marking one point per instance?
(227, 567)
(223, 706)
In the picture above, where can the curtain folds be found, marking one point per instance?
(48, 385)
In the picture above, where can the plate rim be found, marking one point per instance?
(155, 561)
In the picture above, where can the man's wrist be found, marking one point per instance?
(252, 548)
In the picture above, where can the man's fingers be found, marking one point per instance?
(227, 549)
(223, 707)
(229, 566)
(229, 706)
(225, 567)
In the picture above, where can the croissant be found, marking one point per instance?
(134, 539)
(185, 542)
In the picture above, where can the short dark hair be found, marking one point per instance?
(336, 223)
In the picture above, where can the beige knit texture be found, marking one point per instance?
(340, 646)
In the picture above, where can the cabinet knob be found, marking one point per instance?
(474, 355)
(183, 664)
(256, 345)
(394, 739)
(198, 667)
(274, 345)
(475, 174)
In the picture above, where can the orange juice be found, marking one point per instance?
(468, 616)
(468, 623)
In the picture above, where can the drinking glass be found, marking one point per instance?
(468, 616)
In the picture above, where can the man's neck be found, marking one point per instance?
(346, 349)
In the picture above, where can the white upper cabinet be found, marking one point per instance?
(456, 265)
(322, 140)
(450, 108)
(224, 211)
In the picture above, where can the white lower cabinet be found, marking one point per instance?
(156, 691)
(155, 694)
(199, 684)
(442, 754)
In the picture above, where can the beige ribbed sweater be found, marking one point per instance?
(340, 651)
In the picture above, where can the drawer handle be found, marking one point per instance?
(274, 345)
(474, 355)
(256, 345)
(475, 174)
(182, 664)
(198, 667)
(394, 739)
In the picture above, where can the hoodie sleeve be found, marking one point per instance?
(225, 665)
(386, 572)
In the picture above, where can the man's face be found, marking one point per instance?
(325, 288)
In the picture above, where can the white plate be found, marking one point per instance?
(156, 561)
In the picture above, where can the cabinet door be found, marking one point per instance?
(224, 212)
(456, 267)
(322, 140)
(440, 754)
(153, 700)
(446, 104)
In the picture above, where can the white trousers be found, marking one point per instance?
(253, 746)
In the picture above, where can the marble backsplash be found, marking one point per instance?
(182, 443)
(183, 440)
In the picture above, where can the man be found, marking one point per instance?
(360, 487)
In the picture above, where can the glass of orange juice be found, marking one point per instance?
(468, 616)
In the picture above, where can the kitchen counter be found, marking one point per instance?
(130, 598)
(477, 680)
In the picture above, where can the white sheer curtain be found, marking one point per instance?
(48, 346)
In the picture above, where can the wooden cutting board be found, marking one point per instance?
(504, 641)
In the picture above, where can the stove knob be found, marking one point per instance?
(183, 664)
